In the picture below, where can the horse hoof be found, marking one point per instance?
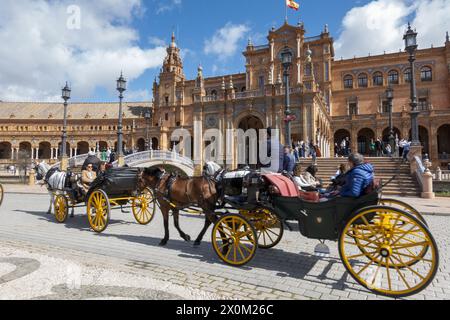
(49, 212)
(163, 243)
(72, 216)
(197, 243)
(187, 238)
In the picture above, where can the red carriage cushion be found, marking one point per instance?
(286, 186)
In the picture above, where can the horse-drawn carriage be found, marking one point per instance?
(115, 187)
(384, 244)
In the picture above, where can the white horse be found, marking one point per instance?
(53, 179)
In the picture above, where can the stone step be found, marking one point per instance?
(385, 169)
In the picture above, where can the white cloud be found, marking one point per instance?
(42, 53)
(167, 5)
(224, 42)
(379, 26)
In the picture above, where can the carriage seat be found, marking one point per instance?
(286, 186)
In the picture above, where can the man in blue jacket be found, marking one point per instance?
(358, 178)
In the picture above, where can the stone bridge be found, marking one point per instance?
(146, 159)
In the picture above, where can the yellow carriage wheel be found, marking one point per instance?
(402, 206)
(144, 207)
(2, 192)
(234, 240)
(98, 211)
(269, 228)
(390, 238)
(61, 206)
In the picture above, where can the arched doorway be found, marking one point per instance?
(82, 147)
(67, 149)
(424, 139)
(443, 139)
(386, 134)
(124, 145)
(250, 125)
(339, 136)
(45, 150)
(103, 145)
(365, 136)
(5, 150)
(141, 145)
(25, 150)
(155, 144)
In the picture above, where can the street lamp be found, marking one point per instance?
(121, 87)
(410, 38)
(148, 117)
(286, 60)
(390, 98)
(66, 91)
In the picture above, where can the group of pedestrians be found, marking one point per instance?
(343, 148)
(303, 150)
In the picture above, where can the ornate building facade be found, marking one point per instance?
(331, 99)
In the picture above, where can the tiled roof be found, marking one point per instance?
(37, 110)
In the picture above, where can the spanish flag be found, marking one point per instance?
(292, 4)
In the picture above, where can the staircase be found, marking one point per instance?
(385, 168)
(9, 179)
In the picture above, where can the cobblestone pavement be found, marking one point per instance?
(126, 258)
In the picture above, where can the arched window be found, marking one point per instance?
(363, 80)
(407, 75)
(348, 82)
(377, 79)
(426, 74)
(393, 77)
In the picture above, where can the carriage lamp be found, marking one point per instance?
(286, 60)
(410, 38)
(66, 91)
(121, 87)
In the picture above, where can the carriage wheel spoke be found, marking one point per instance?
(409, 268)
(400, 273)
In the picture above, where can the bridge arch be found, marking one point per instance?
(155, 158)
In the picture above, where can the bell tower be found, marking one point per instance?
(171, 74)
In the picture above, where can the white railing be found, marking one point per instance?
(442, 175)
(420, 170)
(156, 155)
(74, 161)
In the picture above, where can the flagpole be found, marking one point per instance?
(286, 9)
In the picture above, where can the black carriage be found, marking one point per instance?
(116, 187)
(384, 244)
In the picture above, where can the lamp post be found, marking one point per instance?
(66, 97)
(148, 117)
(410, 38)
(286, 60)
(121, 87)
(390, 98)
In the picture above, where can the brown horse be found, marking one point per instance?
(178, 193)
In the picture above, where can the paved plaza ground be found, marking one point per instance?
(41, 259)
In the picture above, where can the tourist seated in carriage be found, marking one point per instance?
(358, 178)
(88, 176)
(306, 181)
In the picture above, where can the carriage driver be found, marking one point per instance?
(88, 176)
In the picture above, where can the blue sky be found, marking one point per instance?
(88, 42)
(195, 21)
